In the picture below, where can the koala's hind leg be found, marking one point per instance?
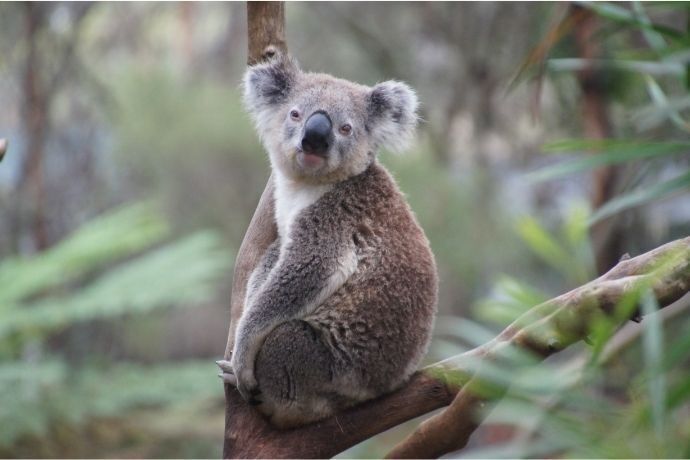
(294, 372)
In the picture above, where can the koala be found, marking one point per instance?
(341, 306)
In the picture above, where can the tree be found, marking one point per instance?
(39, 88)
(660, 276)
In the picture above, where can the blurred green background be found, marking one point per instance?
(133, 171)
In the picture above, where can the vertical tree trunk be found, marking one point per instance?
(266, 36)
(35, 113)
(265, 30)
(606, 236)
(185, 11)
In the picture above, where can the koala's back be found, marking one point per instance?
(378, 324)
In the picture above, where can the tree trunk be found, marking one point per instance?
(606, 235)
(266, 36)
(35, 112)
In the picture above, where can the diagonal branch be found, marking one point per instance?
(544, 330)
(549, 328)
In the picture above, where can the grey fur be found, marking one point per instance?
(341, 307)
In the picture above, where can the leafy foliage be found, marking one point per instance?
(589, 404)
(38, 395)
(627, 396)
(658, 128)
(121, 264)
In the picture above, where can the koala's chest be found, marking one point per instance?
(291, 199)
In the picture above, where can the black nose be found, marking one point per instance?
(317, 132)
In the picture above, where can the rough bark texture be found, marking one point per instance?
(253, 437)
(261, 233)
(266, 36)
(266, 29)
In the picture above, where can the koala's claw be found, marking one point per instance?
(225, 366)
(227, 374)
(228, 378)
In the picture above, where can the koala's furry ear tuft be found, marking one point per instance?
(392, 115)
(269, 83)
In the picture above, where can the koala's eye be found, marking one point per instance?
(294, 114)
(345, 130)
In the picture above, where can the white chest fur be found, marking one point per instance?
(291, 198)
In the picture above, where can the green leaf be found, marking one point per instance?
(624, 16)
(469, 331)
(679, 394)
(112, 236)
(610, 152)
(679, 350)
(181, 273)
(37, 395)
(654, 115)
(652, 337)
(657, 68)
(641, 196)
(660, 100)
(542, 244)
(509, 299)
(576, 234)
(655, 39)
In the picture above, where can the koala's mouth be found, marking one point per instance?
(310, 160)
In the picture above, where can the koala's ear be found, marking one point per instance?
(269, 83)
(392, 111)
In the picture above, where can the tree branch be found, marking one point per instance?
(549, 328)
(543, 330)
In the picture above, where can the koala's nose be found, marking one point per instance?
(317, 132)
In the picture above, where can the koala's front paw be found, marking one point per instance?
(249, 387)
(243, 379)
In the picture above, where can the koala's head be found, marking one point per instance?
(322, 129)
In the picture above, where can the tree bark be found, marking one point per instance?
(266, 36)
(36, 106)
(266, 30)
